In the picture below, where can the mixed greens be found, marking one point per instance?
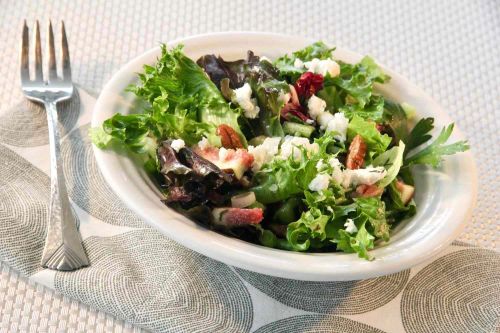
(299, 153)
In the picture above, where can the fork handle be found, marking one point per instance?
(63, 245)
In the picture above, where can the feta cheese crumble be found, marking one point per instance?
(319, 183)
(320, 165)
(323, 67)
(368, 176)
(291, 146)
(337, 174)
(203, 143)
(298, 63)
(338, 124)
(350, 227)
(177, 144)
(316, 106)
(243, 96)
(264, 152)
(329, 122)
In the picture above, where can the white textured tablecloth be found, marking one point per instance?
(449, 48)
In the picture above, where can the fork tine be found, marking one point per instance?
(38, 54)
(66, 66)
(25, 70)
(52, 55)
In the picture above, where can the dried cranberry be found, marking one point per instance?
(291, 110)
(308, 84)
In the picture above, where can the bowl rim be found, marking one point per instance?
(334, 266)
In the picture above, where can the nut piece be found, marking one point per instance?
(356, 155)
(229, 138)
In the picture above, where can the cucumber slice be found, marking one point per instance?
(297, 129)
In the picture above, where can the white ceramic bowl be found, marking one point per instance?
(445, 197)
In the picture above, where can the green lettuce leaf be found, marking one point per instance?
(356, 81)
(359, 243)
(391, 160)
(268, 93)
(373, 110)
(311, 225)
(281, 179)
(367, 130)
(374, 210)
(183, 103)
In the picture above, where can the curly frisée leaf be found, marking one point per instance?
(374, 210)
(186, 85)
(359, 243)
(311, 225)
(356, 81)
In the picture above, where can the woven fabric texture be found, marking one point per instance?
(449, 48)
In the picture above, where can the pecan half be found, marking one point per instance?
(356, 155)
(229, 138)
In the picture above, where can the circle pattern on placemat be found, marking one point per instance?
(343, 297)
(25, 124)
(87, 187)
(459, 292)
(139, 274)
(317, 324)
(462, 244)
(24, 193)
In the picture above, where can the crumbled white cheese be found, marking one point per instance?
(338, 124)
(323, 67)
(320, 165)
(243, 96)
(350, 227)
(291, 143)
(264, 152)
(177, 144)
(319, 183)
(203, 143)
(337, 174)
(284, 98)
(298, 63)
(264, 58)
(368, 176)
(309, 121)
(324, 119)
(316, 106)
(329, 122)
(223, 152)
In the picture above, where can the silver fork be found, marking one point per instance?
(63, 245)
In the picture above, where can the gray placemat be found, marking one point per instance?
(449, 48)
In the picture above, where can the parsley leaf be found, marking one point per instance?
(433, 154)
(419, 134)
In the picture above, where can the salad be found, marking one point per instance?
(299, 153)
